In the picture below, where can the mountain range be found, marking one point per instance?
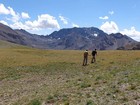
(70, 38)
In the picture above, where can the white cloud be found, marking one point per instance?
(15, 16)
(132, 33)
(20, 25)
(109, 27)
(104, 18)
(14, 19)
(12, 12)
(75, 25)
(25, 15)
(44, 21)
(4, 22)
(63, 19)
(4, 10)
(9, 11)
(111, 12)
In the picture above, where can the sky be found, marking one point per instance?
(46, 16)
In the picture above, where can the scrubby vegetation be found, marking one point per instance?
(57, 77)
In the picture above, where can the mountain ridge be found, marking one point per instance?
(67, 38)
(88, 38)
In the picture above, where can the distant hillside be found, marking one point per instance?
(6, 44)
(22, 37)
(71, 38)
(33, 40)
(132, 46)
(87, 38)
(8, 34)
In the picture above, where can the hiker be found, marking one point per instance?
(85, 58)
(94, 53)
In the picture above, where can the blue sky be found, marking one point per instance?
(46, 16)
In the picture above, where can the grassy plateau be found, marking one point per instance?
(56, 77)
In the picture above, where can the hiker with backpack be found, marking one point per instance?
(85, 60)
(94, 53)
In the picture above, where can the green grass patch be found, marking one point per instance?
(35, 102)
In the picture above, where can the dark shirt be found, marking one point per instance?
(94, 53)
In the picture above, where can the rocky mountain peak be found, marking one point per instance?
(68, 38)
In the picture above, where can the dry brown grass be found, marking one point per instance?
(54, 77)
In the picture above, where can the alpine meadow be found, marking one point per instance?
(69, 52)
(31, 76)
